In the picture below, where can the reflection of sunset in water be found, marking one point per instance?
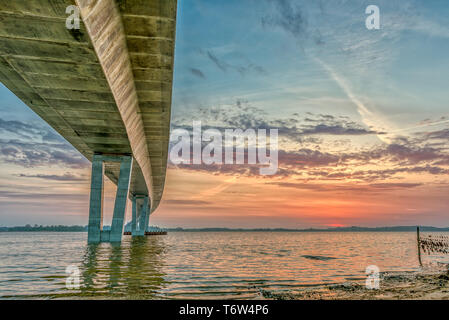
(199, 264)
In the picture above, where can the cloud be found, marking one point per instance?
(39, 154)
(307, 158)
(186, 202)
(313, 164)
(317, 165)
(308, 149)
(429, 27)
(371, 175)
(251, 68)
(53, 177)
(32, 145)
(334, 32)
(222, 65)
(28, 131)
(197, 72)
(338, 129)
(242, 69)
(439, 134)
(41, 197)
(372, 188)
(295, 127)
(289, 17)
(412, 154)
(369, 117)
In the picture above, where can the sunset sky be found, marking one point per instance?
(363, 120)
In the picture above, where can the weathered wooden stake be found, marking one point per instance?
(419, 246)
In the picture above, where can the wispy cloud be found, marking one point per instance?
(369, 117)
(242, 68)
(289, 16)
(39, 154)
(222, 65)
(28, 131)
(371, 188)
(197, 72)
(183, 202)
(34, 145)
(294, 127)
(54, 177)
(308, 153)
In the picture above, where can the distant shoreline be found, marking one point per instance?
(339, 229)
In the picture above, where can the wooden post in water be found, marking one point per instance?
(419, 246)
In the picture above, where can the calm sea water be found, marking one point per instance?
(196, 265)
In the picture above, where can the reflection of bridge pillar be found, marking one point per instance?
(95, 229)
(134, 217)
(147, 219)
(141, 212)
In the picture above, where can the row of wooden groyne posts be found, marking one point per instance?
(148, 233)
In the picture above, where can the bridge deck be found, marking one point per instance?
(58, 74)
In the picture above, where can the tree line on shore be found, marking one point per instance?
(37, 228)
(61, 228)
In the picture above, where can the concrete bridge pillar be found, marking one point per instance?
(141, 214)
(95, 229)
(96, 201)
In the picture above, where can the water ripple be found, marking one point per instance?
(214, 265)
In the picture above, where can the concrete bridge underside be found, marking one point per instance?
(105, 87)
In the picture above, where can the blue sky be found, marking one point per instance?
(363, 118)
(400, 65)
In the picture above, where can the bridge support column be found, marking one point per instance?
(96, 201)
(141, 212)
(95, 228)
(121, 199)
